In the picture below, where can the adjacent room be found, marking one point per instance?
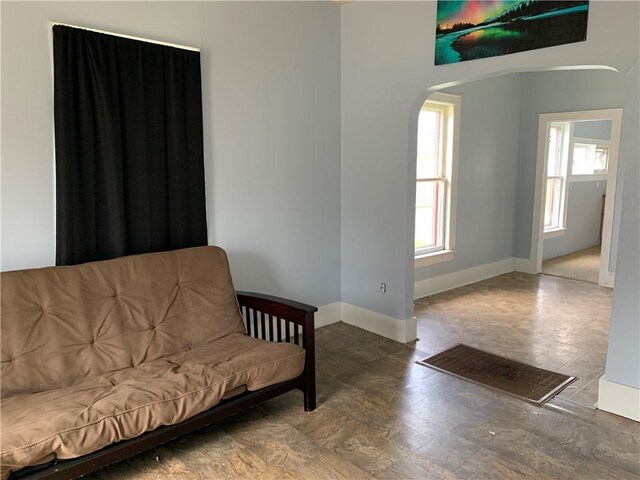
(576, 198)
(560, 325)
(320, 239)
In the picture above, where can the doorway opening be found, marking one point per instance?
(489, 294)
(572, 231)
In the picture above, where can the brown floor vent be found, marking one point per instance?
(529, 383)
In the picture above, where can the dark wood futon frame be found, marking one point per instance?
(262, 314)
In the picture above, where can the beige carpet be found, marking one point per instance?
(583, 265)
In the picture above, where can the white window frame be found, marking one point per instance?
(592, 177)
(450, 104)
(566, 161)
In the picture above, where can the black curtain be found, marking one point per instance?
(129, 149)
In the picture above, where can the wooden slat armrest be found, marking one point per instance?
(281, 320)
(243, 297)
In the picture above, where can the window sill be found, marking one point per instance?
(433, 258)
(557, 232)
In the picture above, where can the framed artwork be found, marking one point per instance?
(473, 29)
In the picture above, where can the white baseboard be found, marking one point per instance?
(608, 280)
(397, 329)
(442, 283)
(524, 265)
(328, 314)
(619, 399)
(390, 327)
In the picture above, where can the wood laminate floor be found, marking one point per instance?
(382, 416)
(581, 265)
(552, 323)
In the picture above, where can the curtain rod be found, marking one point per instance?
(130, 37)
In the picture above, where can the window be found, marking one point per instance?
(557, 154)
(589, 159)
(435, 169)
(569, 159)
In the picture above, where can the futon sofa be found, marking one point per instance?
(103, 360)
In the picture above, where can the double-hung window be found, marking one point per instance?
(569, 159)
(435, 182)
(557, 153)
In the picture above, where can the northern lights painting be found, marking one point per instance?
(473, 29)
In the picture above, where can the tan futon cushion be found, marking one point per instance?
(63, 325)
(87, 416)
(96, 353)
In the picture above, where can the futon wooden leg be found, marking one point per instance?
(310, 397)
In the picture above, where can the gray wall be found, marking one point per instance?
(487, 174)
(495, 130)
(583, 220)
(623, 358)
(271, 88)
(596, 129)
(387, 72)
(491, 146)
(567, 91)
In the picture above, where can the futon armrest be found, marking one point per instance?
(244, 297)
(281, 320)
(276, 319)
